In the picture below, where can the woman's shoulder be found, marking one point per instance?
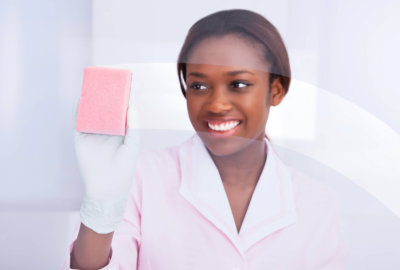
(312, 195)
(304, 186)
(162, 160)
(159, 158)
(307, 184)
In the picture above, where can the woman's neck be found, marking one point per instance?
(243, 168)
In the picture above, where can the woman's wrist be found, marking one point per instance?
(91, 250)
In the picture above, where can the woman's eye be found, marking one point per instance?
(198, 86)
(240, 84)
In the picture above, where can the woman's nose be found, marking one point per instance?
(218, 101)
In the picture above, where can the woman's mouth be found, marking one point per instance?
(223, 126)
(220, 128)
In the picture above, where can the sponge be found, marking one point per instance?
(104, 101)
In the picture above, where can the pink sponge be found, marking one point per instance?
(104, 101)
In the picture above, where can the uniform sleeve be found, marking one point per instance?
(328, 246)
(127, 237)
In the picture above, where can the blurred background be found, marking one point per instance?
(340, 121)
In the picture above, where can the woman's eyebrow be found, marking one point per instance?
(236, 72)
(197, 74)
(229, 73)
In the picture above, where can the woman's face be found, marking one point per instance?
(228, 93)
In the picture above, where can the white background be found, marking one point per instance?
(340, 121)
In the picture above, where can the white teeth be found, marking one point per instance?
(224, 126)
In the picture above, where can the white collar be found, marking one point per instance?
(271, 207)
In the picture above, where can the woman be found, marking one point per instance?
(222, 199)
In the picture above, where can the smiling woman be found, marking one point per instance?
(223, 199)
(228, 103)
(237, 89)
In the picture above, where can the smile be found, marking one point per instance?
(223, 126)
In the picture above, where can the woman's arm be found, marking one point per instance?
(91, 250)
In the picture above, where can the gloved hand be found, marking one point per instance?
(107, 164)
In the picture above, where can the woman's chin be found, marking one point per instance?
(223, 146)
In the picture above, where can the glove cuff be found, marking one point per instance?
(102, 216)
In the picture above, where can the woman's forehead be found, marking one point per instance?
(206, 70)
(229, 51)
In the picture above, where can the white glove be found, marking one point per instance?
(107, 164)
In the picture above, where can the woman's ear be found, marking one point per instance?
(277, 92)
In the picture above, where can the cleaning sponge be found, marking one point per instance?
(104, 101)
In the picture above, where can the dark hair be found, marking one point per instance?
(246, 24)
